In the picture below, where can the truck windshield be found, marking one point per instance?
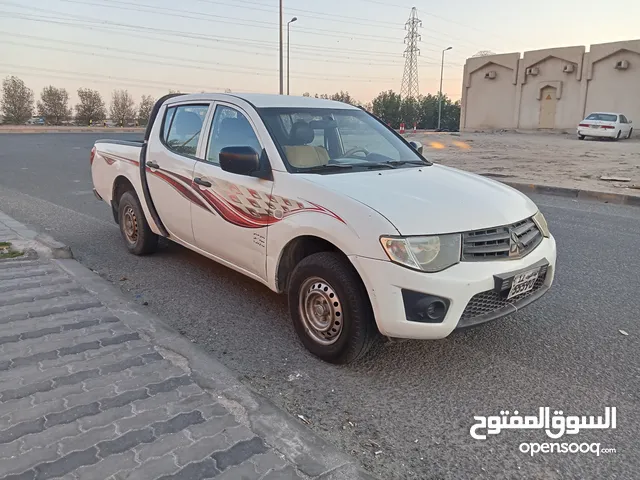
(332, 141)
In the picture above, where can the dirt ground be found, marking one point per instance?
(559, 160)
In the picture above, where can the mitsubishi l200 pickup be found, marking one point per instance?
(324, 202)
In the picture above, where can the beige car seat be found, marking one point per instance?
(300, 154)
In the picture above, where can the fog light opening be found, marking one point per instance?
(436, 310)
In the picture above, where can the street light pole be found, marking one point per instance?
(288, 53)
(281, 54)
(440, 92)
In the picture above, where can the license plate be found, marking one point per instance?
(595, 126)
(523, 283)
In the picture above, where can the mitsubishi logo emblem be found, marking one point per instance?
(515, 244)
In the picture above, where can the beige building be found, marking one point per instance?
(551, 89)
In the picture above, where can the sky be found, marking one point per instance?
(153, 46)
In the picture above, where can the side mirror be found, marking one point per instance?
(239, 160)
(630, 121)
(416, 146)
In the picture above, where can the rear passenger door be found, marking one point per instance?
(170, 164)
(234, 229)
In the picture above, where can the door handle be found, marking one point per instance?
(152, 164)
(202, 182)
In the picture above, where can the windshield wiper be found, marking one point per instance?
(397, 163)
(393, 164)
(377, 165)
(324, 168)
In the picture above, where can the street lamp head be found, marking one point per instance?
(448, 48)
(293, 19)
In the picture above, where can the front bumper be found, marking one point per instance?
(461, 284)
(598, 132)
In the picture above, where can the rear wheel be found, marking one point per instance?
(330, 308)
(580, 137)
(135, 230)
(618, 135)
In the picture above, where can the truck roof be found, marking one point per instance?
(263, 100)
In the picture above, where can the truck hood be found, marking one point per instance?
(432, 200)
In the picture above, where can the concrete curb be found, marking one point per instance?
(312, 455)
(53, 248)
(605, 197)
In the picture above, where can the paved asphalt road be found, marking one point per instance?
(415, 401)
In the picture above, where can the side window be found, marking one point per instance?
(168, 118)
(230, 129)
(182, 126)
(623, 119)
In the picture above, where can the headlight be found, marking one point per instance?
(541, 223)
(429, 254)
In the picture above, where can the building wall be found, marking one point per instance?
(610, 88)
(491, 101)
(551, 88)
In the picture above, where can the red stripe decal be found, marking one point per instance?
(182, 189)
(229, 212)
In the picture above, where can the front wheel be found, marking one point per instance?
(630, 132)
(330, 308)
(135, 230)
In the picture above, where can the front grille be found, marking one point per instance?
(491, 301)
(507, 242)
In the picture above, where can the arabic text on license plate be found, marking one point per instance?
(523, 283)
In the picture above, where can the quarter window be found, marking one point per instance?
(182, 127)
(230, 129)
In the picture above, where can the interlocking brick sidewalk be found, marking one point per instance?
(92, 387)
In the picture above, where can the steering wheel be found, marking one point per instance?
(355, 150)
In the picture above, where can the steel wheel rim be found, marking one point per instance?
(321, 311)
(130, 224)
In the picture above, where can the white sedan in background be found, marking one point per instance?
(608, 125)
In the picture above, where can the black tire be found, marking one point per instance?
(358, 332)
(580, 137)
(138, 238)
(630, 133)
(618, 135)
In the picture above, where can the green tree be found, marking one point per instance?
(428, 109)
(343, 97)
(386, 106)
(144, 110)
(122, 108)
(17, 101)
(410, 111)
(91, 107)
(450, 114)
(54, 105)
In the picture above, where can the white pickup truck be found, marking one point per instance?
(323, 201)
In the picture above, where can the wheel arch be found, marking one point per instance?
(121, 184)
(301, 247)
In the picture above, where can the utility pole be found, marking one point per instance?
(440, 91)
(409, 87)
(281, 55)
(288, 50)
